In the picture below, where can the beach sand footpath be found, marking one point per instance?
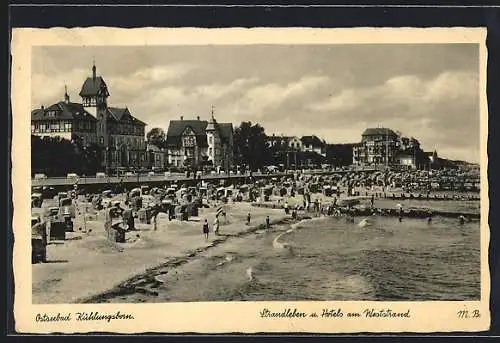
(86, 264)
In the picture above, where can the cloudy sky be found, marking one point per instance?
(428, 91)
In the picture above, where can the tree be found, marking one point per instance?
(53, 156)
(91, 159)
(56, 156)
(156, 136)
(250, 146)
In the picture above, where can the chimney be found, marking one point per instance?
(182, 118)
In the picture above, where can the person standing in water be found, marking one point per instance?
(205, 229)
(268, 222)
(401, 213)
(461, 220)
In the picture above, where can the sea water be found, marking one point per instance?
(331, 259)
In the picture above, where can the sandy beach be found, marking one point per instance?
(69, 276)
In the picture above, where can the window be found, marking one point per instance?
(101, 140)
(210, 151)
(33, 128)
(67, 126)
(54, 127)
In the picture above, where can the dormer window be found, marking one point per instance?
(51, 114)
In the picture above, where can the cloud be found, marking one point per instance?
(148, 78)
(47, 89)
(271, 101)
(216, 91)
(441, 111)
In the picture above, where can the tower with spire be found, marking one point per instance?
(213, 139)
(66, 96)
(94, 94)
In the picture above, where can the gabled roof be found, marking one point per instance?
(378, 132)
(123, 115)
(93, 86)
(177, 127)
(312, 140)
(68, 111)
(117, 113)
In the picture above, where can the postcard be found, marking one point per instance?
(265, 180)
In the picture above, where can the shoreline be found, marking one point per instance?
(146, 282)
(134, 270)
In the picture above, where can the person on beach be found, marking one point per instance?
(248, 218)
(128, 219)
(372, 200)
(287, 210)
(206, 229)
(268, 222)
(216, 225)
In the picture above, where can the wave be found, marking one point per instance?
(278, 245)
(308, 221)
(249, 272)
(227, 259)
(364, 223)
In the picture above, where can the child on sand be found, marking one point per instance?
(205, 229)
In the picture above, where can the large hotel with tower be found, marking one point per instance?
(121, 135)
(114, 129)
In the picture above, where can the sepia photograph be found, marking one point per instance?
(263, 172)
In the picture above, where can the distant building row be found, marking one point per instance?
(378, 147)
(383, 146)
(195, 142)
(294, 143)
